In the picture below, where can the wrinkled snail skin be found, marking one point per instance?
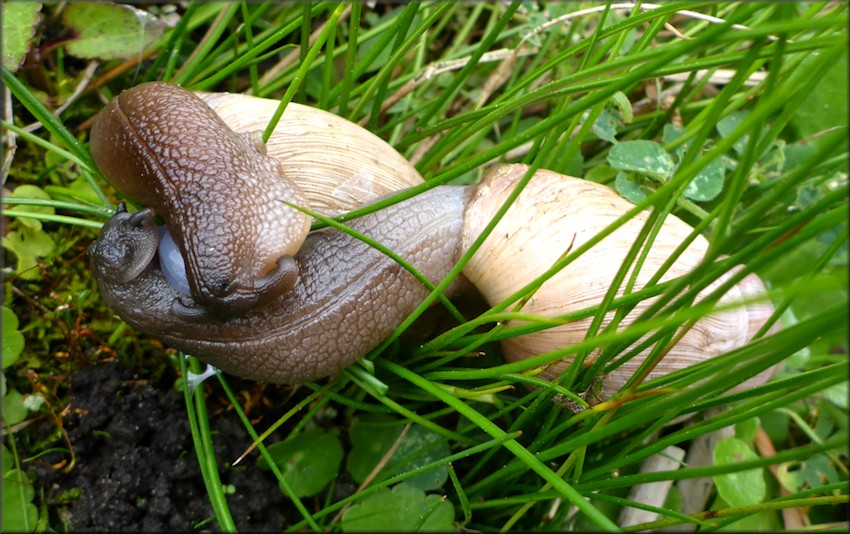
(163, 147)
(339, 298)
(348, 296)
(127, 245)
(338, 165)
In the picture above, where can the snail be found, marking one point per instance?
(349, 296)
(164, 148)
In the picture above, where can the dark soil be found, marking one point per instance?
(136, 466)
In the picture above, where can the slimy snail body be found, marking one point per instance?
(347, 296)
(223, 200)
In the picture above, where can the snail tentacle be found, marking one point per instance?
(133, 243)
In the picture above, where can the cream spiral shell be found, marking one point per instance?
(337, 164)
(555, 213)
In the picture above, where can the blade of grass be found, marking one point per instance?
(63, 219)
(258, 441)
(350, 58)
(302, 71)
(518, 450)
(42, 114)
(196, 409)
(59, 204)
(244, 59)
(389, 253)
(201, 52)
(171, 48)
(738, 512)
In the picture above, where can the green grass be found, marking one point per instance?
(515, 457)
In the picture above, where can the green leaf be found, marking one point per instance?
(110, 31)
(810, 473)
(14, 410)
(13, 339)
(825, 287)
(605, 126)
(28, 246)
(618, 111)
(708, 183)
(642, 157)
(623, 105)
(777, 425)
(772, 162)
(728, 123)
(760, 522)
(672, 132)
(601, 174)
(35, 192)
(308, 461)
(629, 188)
(6, 457)
(372, 438)
(826, 106)
(420, 447)
(744, 487)
(746, 430)
(402, 509)
(837, 395)
(19, 513)
(19, 22)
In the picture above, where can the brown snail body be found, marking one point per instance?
(166, 149)
(349, 296)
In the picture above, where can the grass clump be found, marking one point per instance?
(743, 103)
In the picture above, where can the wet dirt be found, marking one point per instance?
(136, 467)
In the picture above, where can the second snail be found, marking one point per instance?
(248, 290)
